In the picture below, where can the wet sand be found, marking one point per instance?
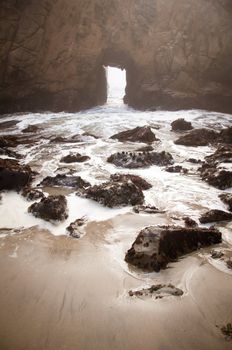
(62, 293)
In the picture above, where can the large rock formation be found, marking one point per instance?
(53, 53)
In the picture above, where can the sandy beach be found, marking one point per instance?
(60, 293)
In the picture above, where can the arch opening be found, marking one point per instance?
(116, 84)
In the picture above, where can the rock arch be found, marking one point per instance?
(52, 52)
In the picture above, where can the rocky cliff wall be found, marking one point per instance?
(177, 53)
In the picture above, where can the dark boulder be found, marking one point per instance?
(227, 199)
(223, 154)
(74, 158)
(181, 125)
(198, 137)
(219, 178)
(114, 194)
(52, 208)
(138, 134)
(137, 180)
(194, 161)
(14, 176)
(156, 246)
(75, 229)
(215, 215)
(32, 194)
(140, 160)
(15, 140)
(64, 181)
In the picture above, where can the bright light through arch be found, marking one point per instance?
(116, 83)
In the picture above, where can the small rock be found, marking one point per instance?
(215, 215)
(197, 137)
(64, 181)
(194, 161)
(32, 194)
(52, 208)
(31, 129)
(75, 229)
(14, 176)
(139, 134)
(114, 194)
(176, 169)
(145, 149)
(216, 254)
(8, 124)
(160, 290)
(141, 160)
(229, 264)
(226, 135)
(219, 178)
(148, 209)
(181, 125)
(190, 222)
(227, 331)
(227, 199)
(74, 158)
(137, 180)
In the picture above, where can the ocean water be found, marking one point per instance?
(177, 194)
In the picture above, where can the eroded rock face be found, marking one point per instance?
(156, 246)
(64, 181)
(14, 176)
(181, 125)
(140, 160)
(215, 215)
(174, 58)
(198, 137)
(114, 194)
(138, 134)
(52, 208)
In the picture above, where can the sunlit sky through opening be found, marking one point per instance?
(116, 80)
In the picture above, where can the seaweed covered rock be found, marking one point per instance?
(52, 208)
(181, 125)
(227, 199)
(114, 194)
(156, 246)
(137, 180)
(215, 215)
(138, 134)
(140, 160)
(14, 176)
(198, 137)
(74, 158)
(61, 180)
